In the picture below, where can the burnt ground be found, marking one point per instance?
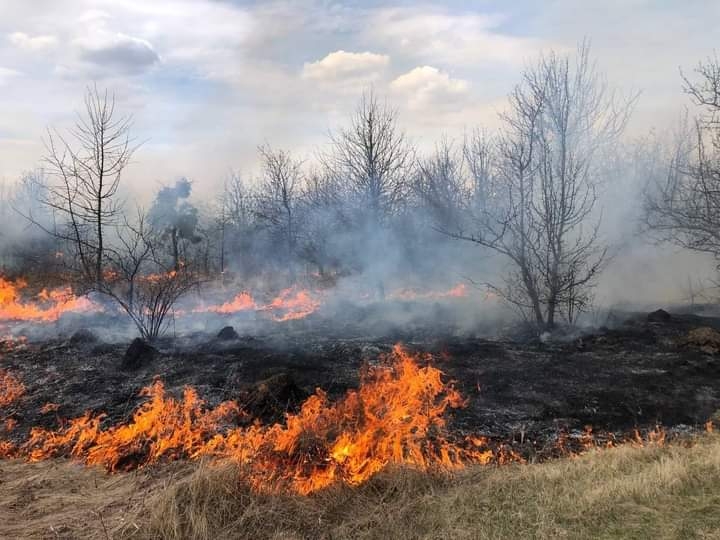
(637, 375)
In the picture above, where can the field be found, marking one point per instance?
(649, 387)
(626, 492)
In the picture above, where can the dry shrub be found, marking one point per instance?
(704, 338)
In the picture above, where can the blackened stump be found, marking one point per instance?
(138, 354)
(659, 316)
(228, 333)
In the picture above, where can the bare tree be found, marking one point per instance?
(540, 190)
(86, 165)
(282, 184)
(373, 158)
(684, 207)
(442, 185)
(324, 219)
(140, 282)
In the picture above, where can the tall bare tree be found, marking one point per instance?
(442, 184)
(281, 189)
(85, 166)
(540, 188)
(684, 206)
(373, 158)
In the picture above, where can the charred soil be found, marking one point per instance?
(640, 374)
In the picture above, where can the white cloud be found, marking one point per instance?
(117, 52)
(448, 38)
(341, 65)
(427, 86)
(32, 43)
(6, 74)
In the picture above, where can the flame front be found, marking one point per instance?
(289, 304)
(242, 302)
(292, 304)
(47, 306)
(396, 416)
(458, 291)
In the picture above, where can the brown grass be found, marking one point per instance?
(669, 492)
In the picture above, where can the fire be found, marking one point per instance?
(290, 304)
(396, 416)
(11, 389)
(162, 427)
(48, 305)
(242, 302)
(458, 291)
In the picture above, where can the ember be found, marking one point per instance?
(11, 389)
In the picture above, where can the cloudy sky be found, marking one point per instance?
(209, 80)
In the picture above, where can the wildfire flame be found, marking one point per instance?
(242, 302)
(396, 416)
(47, 306)
(290, 304)
(11, 389)
(458, 291)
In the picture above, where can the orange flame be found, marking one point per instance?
(242, 302)
(290, 304)
(48, 305)
(11, 389)
(458, 291)
(395, 417)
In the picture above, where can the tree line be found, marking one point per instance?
(527, 192)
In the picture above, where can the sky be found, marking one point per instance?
(207, 81)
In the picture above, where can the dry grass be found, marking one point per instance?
(670, 492)
(63, 499)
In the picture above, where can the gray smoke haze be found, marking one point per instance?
(207, 82)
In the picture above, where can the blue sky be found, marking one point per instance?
(207, 81)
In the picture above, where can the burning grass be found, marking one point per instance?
(289, 304)
(395, 417)
(46, 306)
(11, 388)
(669, 491)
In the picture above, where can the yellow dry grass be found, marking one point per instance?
(653, 492)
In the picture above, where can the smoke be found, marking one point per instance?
(358, 231)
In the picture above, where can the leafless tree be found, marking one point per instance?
(442, 185)
(373, 158)
(140, 282)
(282, 184)
(479, 155)
(85, 166)
(539, 190)
(684, 207)
(324, 219)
